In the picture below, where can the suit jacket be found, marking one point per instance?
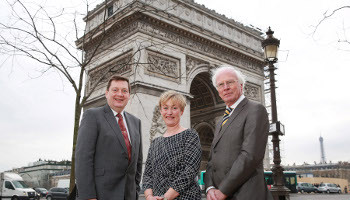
(235, 164)
(102, 168)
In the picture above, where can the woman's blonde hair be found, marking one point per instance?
(175, 97)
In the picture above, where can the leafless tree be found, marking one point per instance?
(332, 13)
(47, 36)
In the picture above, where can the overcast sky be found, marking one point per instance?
(36, 115)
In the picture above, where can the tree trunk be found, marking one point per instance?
(77, 113)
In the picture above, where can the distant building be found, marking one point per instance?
(38, 174)
(328, 170)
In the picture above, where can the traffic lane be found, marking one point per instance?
(311, 196)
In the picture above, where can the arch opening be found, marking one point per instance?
(203, 111)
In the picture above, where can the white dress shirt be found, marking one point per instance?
(234, 106)
(124, 120)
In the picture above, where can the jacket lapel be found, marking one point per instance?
(220, 130)
(112, 121)
(217, 132)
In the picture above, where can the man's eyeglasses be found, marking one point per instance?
(228, 83)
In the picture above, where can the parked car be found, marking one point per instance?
(329, 188)
(339, 188)
(57, 193)
(306, 187)
(41, 191)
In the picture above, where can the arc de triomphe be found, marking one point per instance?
(170, 45)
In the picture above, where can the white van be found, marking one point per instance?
(14, 188)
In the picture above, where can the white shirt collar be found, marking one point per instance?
(115, 113)
(233, 106)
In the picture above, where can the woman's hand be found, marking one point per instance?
(149, 195)
(171, 194)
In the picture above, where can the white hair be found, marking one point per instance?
(222, 68)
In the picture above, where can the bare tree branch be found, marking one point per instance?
(327, 15)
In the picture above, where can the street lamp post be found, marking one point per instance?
(278, 190)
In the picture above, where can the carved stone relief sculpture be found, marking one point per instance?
(252, 91)
(158, 126)
(203, 47)
(163, 66)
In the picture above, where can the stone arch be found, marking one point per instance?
(203, 111)
(206, 135)
(197, 69)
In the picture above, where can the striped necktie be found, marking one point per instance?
(226, 115)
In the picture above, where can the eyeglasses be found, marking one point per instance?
(123, 91)
(228, 83)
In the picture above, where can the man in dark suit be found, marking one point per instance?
(109, 152)
(235, 168)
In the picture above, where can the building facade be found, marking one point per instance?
(340, 170)
(38, 174)
(169, 45)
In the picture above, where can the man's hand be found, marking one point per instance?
(219, 195)
(211, 194)
(215, 194)
(151, 197)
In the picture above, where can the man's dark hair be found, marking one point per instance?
(118, 78)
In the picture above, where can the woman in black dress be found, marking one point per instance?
(173, 160)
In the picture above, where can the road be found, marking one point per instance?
(311, 196)
(307, 197)
(320, 196)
